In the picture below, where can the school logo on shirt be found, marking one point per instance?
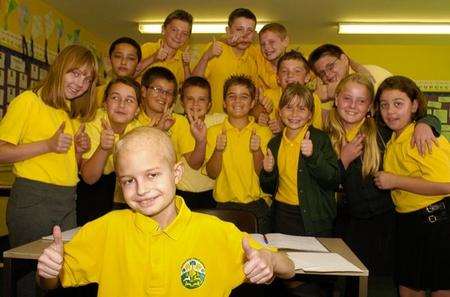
(193, 273)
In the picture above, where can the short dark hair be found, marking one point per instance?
(196, 81)
(293, 55)
(158, 72)
(241, 12)
(324, 50)
(126, 81)
(181, 15)
(129, 41)
(407, 86)
(242, 80)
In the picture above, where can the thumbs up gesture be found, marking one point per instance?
(215, 49)
(186, 55)
(269, 161)
(82, 140)
(164, 51)
(258, 267)
(60, 142)
(107, 136)
(51, 260)
(221, 141)
(306, 146)
(255, 141)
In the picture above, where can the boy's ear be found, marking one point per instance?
(143, 92)
(345, 59)
(415, 106)
(178, 170)
(285, 42)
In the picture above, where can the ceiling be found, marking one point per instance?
(307, 21)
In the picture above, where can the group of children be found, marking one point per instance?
(262, 129)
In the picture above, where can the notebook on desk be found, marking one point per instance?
(290, 242)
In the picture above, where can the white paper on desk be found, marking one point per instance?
(321, 262)
(66, 235)
(291, 242)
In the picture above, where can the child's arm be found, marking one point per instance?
(262, 265)
(417, 185)
(82, 144)
(196, 158)
(214, 50)
(255, 148)
(426, 131)
(214, 164)
(92, 168)
(186, 63)
(50, 262)
(59, 143)
(160, 55)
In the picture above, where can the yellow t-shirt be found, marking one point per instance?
(174, 64)
(193, 180)
(287, 162)
(30, 120)
(275, 96)
(94, 131)
(220, 68)
(267, 75)
(237, 181)
(351, 134)
(128, 254)
(401, 159)
(180, 133)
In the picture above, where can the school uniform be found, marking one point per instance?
(128, 254)
(237, 186)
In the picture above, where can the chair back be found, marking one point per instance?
(243, 220)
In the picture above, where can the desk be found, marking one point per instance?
(32, 251)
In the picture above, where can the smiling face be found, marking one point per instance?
(238, 101)
(353, 103)
(272, 45)
(124, 59)
(76, 82)
(148, 178)
(331, 69)
(176, 33)
(245, 29)
(292, 71)
(158, 95)
(196, 101)
(295, 114)
(397, 109)
(121, 104)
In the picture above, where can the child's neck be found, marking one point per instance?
(239, 123)
(118, 128)
(166, 216)
(238, 52)
(292, 133)
(152, 114)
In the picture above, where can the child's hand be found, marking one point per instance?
(258, 268)
(198, 127)
(60, 142)
(352, 150)
(186, 56)
(221, 141)
(107, 136)
(263, 119)
(82, 140)
(264, 101)
(164, 52)
(275, 125)
(385, 180)
(331, 89)
(215, 49)
(269, 161)
(255, 141)
(51, 260)
(166, 121)
(423, 138)
(307, 146)
(232, 40)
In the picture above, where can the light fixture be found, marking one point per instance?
(197, 28)
(394, 28)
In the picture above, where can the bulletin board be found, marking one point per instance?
(18, 73)
(439, 106)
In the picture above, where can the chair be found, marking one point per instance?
(244, 220)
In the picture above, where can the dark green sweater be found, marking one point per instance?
(317, 181)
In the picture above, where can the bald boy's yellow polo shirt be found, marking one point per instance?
(180, 133)
(274, 95)
(220, 68)
(129, 255)
(94, 131)
(237, 181)
(30, 120)
(401, 159)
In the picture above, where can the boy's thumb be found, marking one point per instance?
(307, 135)
(62, 127)
(81, 129)
(269, 153)
(248, 250)
(57, 239)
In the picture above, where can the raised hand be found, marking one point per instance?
(82, 140)
(269, 161)
(352, 150)
(215, 49)
(60, 142)
(306, 146)
(186, 55)
(221, 141)
(51, 260)
(258, 267)
(255, 141)
(107, 136)
(198, 127)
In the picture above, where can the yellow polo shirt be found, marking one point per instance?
(94, 131)
(128, 254)
(351, 134)
(237, 181)
(401, 159)
(275, 96)
(174, 64)
(30, 120)
(180, 133)
(287, 162)
(220, 68)
(267, 75)
(193, 180)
